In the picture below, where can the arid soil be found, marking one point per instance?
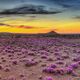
(39, 59)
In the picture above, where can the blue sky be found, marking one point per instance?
(66, 21)
(70, 4)
(69, 8)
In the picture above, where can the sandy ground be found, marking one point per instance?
(26, 58)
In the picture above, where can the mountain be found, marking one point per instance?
(52, 32)
(30, 9)
(49, 34)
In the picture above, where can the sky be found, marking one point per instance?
(67, 21)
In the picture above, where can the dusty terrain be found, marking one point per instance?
(39, 59)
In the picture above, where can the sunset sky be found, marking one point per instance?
(67, 21)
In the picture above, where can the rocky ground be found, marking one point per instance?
(39, 59)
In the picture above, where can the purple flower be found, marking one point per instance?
(60, 62)
(74, 74)
(53, 66)
(48, 78)
(44, 57)
(48, 70)
(74, 65)
(69, 70)
(79, 62)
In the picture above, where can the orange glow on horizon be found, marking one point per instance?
(41, 26)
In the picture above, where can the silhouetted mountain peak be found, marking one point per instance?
(52, 32)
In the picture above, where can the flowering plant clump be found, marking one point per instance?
(69, 70)
(53, 69)
(48, 78)
(53, 66)
(40, 56)
(30, 63)
(74, 65)
(48, 70)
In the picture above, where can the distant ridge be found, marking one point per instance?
(49, 34)
(28, 34)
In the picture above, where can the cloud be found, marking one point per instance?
(3, 24)
(77, 17)
(26, 27)
(21, 26)
(31, 9)
(70, 4)
(66, 5)
(29, 27)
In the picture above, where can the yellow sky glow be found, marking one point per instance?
(41, 26)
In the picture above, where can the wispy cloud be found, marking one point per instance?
(76, 17)
(20, 26)
(3, 24)
(26, 27)
(70, 4)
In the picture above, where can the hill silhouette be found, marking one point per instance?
(49, 34)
